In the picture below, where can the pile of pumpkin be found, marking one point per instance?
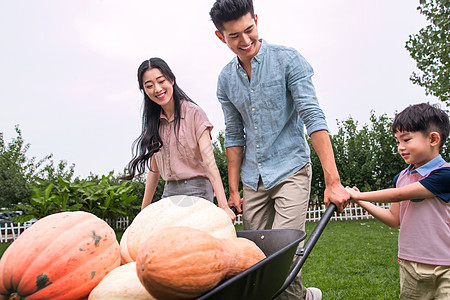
(177, 248)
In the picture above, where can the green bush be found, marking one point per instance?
(103, 199)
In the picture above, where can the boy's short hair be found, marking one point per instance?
(229, 10)
(424, 118)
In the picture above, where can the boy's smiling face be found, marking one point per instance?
(417, 148)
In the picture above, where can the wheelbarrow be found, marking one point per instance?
(271, 276)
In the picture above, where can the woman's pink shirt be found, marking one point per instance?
(179, 157)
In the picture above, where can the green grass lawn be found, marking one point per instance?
(351, 260)
(3, 247)
(354, 260)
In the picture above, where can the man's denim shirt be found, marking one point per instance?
(268, 114)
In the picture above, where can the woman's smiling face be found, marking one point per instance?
(158, 88)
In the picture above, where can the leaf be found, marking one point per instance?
(48, 190)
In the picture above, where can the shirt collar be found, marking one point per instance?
(429, 166)
(182, 113)
(258, 57)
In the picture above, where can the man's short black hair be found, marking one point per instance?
(424, 118)
(229, 10)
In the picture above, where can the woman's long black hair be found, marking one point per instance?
(149, 142)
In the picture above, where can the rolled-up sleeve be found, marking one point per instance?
(234, 127)
(201, 123)
(299, 82)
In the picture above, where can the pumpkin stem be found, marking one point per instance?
(14, 296)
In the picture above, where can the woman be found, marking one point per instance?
(176, 139)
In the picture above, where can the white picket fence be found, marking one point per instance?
(351, 212)
(10, 232)
(120, 223)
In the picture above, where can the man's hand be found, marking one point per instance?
(235, 200)
(337, 194)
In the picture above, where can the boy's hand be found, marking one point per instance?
(354, 193)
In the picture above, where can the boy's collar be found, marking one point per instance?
(428, 167)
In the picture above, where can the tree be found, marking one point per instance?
(17, 171)
(353, 151)
(221, 160)
(220, 156)
(13, 171)
(386, 161)
(430, 48)
(366, 157)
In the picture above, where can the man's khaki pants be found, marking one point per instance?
(282, 207)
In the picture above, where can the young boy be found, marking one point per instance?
(419, 203)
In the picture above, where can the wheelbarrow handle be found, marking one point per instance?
(234, 209)
(302, 253)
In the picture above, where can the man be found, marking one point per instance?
(267, 98)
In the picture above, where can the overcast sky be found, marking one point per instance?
(68, 68)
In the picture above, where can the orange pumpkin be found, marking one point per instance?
(62, 256)
(179, 210)
(183, 263)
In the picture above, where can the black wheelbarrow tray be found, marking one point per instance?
(271, 276)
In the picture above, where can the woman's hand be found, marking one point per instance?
(230, 213)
